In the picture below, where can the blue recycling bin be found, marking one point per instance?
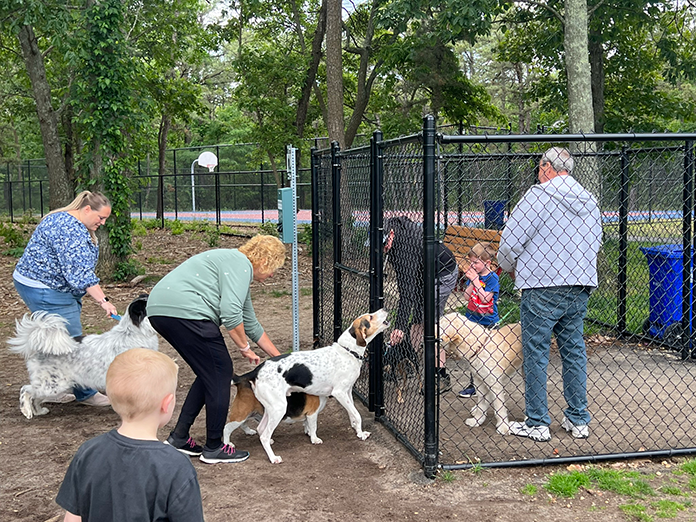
(665, 267)
(494, 213)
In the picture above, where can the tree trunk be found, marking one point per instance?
(165, 123)
(580, 111)
(597, 74)
(310, 79)
(364, 82)
(61, 190)
(575, 43)
(334, 72)
(70, 145)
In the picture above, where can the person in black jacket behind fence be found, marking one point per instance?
(403, 246)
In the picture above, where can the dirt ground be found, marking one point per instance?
(343, 479)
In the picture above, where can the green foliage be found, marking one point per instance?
(304, 236)
(447, 476)
(138, 228)
(667, 508)
(103, 91)
(627, 483)
(176, 227)
(529, 490)
(13, 236)
(638, 61)
(671, 490)
(127, 270)
(151, 224)
(689, 467)
(567, 484)
(636, 512)
(213, 237)
(269, 228)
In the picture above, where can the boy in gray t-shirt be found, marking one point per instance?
(127, 473)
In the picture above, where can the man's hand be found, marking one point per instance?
(396, 337)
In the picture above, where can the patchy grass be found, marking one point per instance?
(636, 512)
(567, 484)
(667, 508)
(650, 496)
(529, 489)
(628, 483)
(448, 476)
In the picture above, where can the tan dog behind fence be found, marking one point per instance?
(494, 355)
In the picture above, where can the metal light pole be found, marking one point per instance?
(206, 159)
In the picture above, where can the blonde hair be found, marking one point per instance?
(137, 380)
(483, 251)
(95, 200)
(266, 253)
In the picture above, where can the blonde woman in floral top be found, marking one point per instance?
(57, 270)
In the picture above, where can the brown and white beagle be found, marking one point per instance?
(328, 371)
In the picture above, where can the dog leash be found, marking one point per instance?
(116, 317)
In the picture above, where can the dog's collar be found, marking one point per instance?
(358, 357)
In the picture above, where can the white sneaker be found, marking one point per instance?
(578, 431)
(537, 433)
(98, 399)
(61, 398)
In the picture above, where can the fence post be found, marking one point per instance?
(337, 250)
(623, 245)
(376, 393)
(218, 214)
(316, 269)
(176, 191)
(28, 184)
(429, 281)
(687, 253)
(263, 204)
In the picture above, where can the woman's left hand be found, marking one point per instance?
(251, 356)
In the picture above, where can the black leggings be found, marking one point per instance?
(201, 345)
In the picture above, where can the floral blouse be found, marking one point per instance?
(61, 255)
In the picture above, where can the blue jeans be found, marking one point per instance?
(67, 306)
(561, 311)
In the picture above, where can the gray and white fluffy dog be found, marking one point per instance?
(56, 362)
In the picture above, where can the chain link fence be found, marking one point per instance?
(462, 190)
(239, 182)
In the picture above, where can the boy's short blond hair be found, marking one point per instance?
(483, 251)
(265, 252)
(138, 380)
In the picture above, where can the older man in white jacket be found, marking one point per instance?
(550, 244)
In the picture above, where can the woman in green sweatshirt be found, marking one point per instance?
(187, 308)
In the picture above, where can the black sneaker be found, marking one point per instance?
(187, 447)
(225, 453)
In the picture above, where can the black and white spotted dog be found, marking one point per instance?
(331, 370)
(56, 362)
